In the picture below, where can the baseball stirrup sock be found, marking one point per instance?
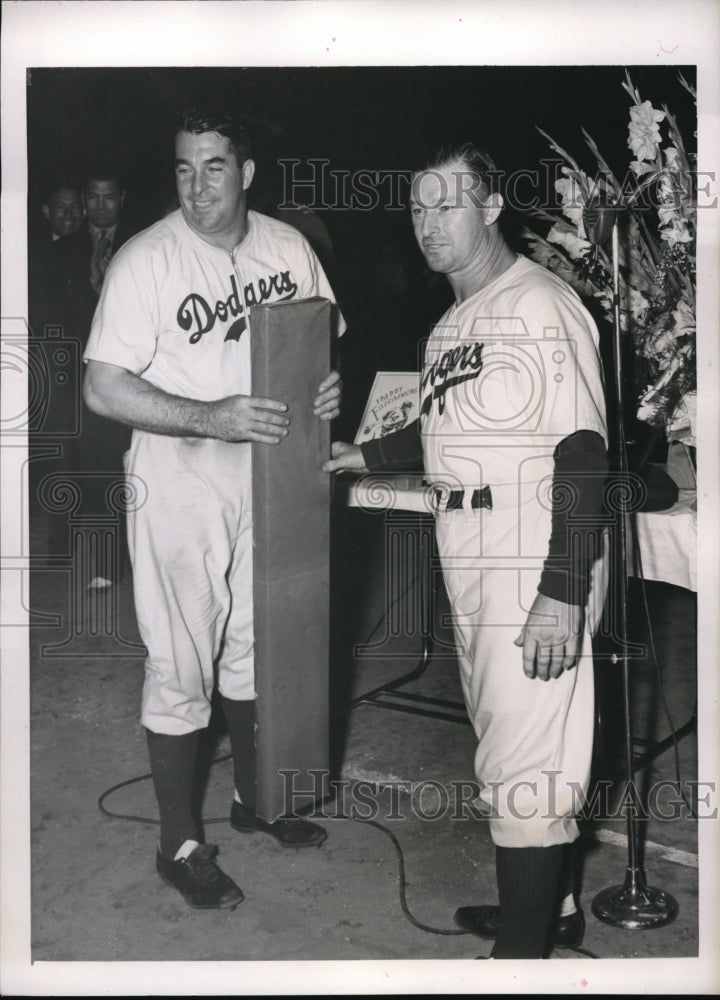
(172, 763)
(240, 718)
(528, 879)
(566, 895)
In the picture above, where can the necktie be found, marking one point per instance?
(100, 259)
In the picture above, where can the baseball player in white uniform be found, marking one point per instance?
(513, 441)
(169, 354)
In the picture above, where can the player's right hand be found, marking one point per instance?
(248, 418)
(345, 456)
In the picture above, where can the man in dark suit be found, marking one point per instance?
(68, 264)
(55, 285)
(49, 270)
(62, 209)
(103, 198)
(101, 444)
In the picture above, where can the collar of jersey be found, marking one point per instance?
(508, 273)
(244, 242)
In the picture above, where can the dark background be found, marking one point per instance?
(358, 118)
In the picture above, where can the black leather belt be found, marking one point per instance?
(454, 499)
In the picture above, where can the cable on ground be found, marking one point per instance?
(402, 880)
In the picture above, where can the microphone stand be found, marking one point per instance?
(634, 904)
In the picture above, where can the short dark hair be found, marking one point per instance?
(211, 117)
(475, 159)
(103, 170)
(57, 184)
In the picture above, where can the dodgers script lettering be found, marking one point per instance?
(449, 370)
(198, 316)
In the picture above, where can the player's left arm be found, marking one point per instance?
(552, 634)
(550, 638)
(574, 414)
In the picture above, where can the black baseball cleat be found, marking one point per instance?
(288, 832)
(199, 880)
(484, 922)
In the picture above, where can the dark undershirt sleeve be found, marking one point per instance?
(400, 451)
(578, 488)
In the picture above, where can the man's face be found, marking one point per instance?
(64, 211)
(449, 218)
(103, 201)
(212, 187)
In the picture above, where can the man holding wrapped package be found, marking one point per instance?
(169, 355)
(512, 439)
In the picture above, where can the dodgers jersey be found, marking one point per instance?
(175, 310)
(509, 373)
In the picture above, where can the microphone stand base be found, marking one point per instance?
(635, 905)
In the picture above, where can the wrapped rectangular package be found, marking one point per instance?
(291, 352)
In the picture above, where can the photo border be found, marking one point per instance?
(329, 33)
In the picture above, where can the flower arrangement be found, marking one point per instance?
(656, 254)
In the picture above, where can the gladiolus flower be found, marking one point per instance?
(575, 246)
(644, 131)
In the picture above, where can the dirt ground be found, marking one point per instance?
(96, 897)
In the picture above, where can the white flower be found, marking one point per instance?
(638, 303)
(644, 131)
(684, 317)
(682, 423)
(639, 168)
(668, 191)
(670, 195)
(671, 155)
(574, 245)
(573, 200)
(675, 232)
(663, 350)
(666, 215)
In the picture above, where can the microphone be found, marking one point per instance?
(599, 218)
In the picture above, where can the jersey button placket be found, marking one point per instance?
(241, 290)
